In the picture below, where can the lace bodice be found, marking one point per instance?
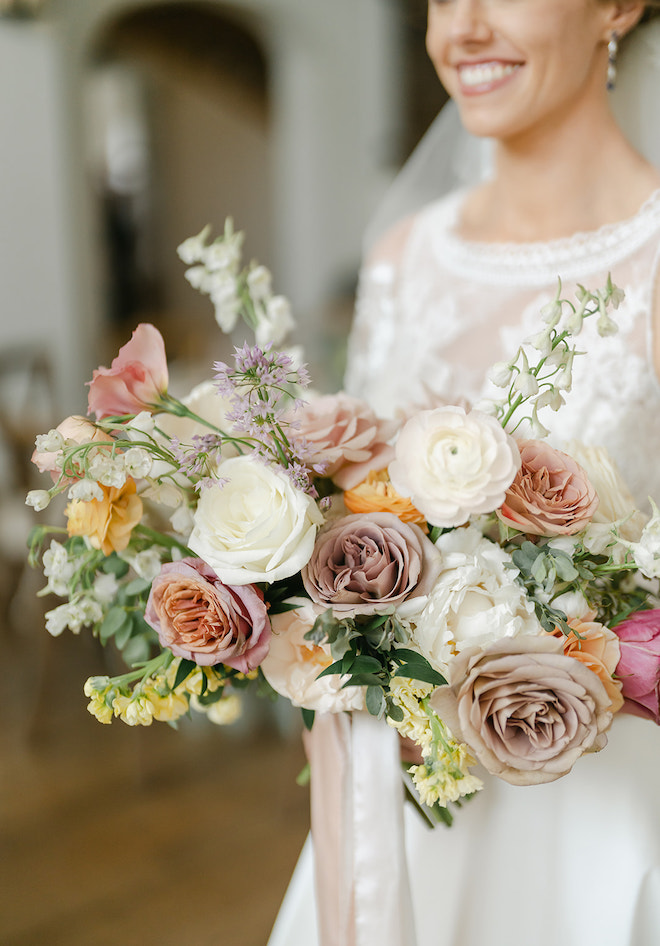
(430, 323)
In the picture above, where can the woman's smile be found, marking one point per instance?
(477, 78)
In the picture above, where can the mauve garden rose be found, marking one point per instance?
(639, 667)
(526, 710)
(293, 664)
(345, 434)
(453, 464)
(254, 525)
(362, 564)
(199, 618)
(136, 379)
(551, 494)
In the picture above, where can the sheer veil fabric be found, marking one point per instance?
(577, 861)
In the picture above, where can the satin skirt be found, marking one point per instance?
(572, 863)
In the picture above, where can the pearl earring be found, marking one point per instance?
(612, 51)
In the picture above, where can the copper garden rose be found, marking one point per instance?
(365, 563)
(550, 495)
(199, 618)
(526, 710)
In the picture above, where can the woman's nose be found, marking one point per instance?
(469, 21)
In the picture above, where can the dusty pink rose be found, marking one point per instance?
(363, 563)
(551, 493)
(135, 381)
(639, 667)
(526, 710)
(74, 429)
(345, 434)
(201, 619)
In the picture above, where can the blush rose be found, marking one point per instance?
(639, 667)
(551, 494)
(365, 563)
(343, 433)
(137, 378)
(199, 618)
(526, 710)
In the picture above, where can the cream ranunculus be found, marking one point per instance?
(475, 600)
(454, 464)
(293, 664)
(254, 525)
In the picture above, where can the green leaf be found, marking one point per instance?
(304, 776)
(137, 650)
(308, 718)
(365, 664)
(336, 667)
(113, 622)
(114, 565)
(394, 711)
(123, 635)
(539, 569)
(136, 587)
(565, 568)
(184, 670)
(423, 674)
(375, 701)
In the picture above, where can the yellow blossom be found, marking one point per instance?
(98, 707)
(226, 711)
(135, 710)
(167, 706)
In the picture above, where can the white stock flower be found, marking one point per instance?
(58, 569)
(138, 462)
(259, 282)
(293, 664)
(74, 614)
(85, 490)
(453, 465)
(227, 307)
(193, 249)
(105, 588)
(38, 499)
(145, 564)
(197, 276)
(255, 527)
(278, 321)
(476, 600)
(646, 552)
(224, 254)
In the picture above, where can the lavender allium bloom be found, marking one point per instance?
(258, 389)
(198, 461)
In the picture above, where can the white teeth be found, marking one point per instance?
(484, 73)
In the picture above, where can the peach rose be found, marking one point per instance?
(107, 523)
(201, 619)
(550, 495)
(376, 494)
(526, 710)
(597, 647)
(345, 434)
(136, 379)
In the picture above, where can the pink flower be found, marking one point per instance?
(345, 434)
(550, 495)
(639, 667)
(201, 619)
(74, 429)
(137, 379)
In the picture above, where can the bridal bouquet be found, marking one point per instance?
(485, 593)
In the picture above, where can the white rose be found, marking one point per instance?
(255, 527)
(293, 664)
(476, 600)
(453, 465)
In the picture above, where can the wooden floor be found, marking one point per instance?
(111, 835)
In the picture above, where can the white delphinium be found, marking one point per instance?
(73, 615)
(275, 323)
(259, 283)
(58, 569)
(137, 462)
(50, 442)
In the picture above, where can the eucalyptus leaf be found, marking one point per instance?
(115, 619)
(375, 701)
(137, 586)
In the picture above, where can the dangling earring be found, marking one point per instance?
(612, 50)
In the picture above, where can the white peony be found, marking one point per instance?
(475, 601)
(293, 664)
(454, 464)
(255, 527)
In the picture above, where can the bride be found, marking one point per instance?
(446, 293)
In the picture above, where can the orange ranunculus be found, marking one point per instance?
(598, 649)
(376, 494)
(107, 523)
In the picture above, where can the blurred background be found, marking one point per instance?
(125, 127)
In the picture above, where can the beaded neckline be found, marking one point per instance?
(538, 263)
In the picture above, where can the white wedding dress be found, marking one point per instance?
(575, 862)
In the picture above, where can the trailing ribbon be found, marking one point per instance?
(362, 888)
